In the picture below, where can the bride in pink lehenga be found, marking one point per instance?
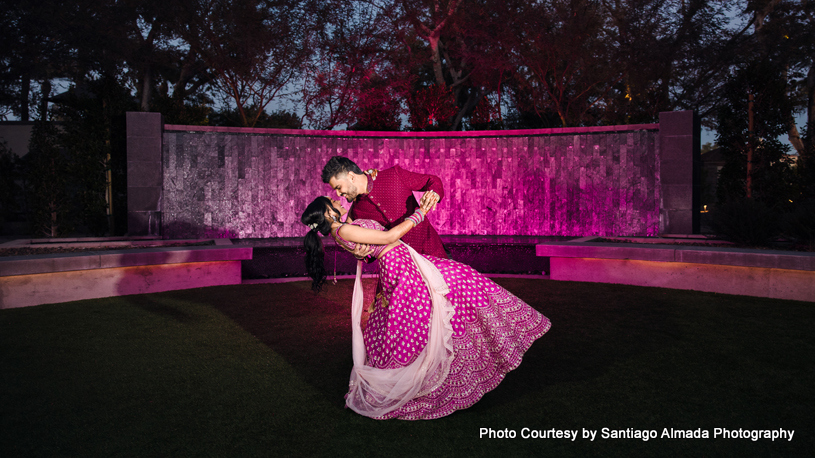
(440, 335)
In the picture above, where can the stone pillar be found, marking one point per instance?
(144, 173)
(680, 135)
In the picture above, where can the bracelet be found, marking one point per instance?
(417, 217)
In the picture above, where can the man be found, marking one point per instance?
(386, 196)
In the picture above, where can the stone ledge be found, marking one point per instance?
(798, 285)
(772, 259)
(59, 241)
(65, 262)
(54, 287)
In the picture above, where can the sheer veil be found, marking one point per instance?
(375, 392)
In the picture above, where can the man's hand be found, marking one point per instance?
(429, 200)
(362, 250)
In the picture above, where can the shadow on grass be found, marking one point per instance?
(312, 331)
(153, 374)
(165, 310)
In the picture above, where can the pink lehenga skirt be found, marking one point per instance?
(440, 337)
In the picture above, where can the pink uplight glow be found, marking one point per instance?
(254, 183)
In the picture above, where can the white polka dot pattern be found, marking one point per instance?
(492, 329)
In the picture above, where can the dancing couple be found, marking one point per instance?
(440, 335)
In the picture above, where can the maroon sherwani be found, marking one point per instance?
(391, 200)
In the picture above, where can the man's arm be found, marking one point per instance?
(420, 182)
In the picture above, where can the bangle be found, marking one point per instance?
(417, 217)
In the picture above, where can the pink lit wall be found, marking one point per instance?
(254, 183)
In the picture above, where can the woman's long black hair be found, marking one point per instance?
(315, 253)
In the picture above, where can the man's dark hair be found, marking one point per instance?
(339, 165)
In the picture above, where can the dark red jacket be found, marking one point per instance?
(391, 200)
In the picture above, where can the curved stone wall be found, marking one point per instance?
(254, 183)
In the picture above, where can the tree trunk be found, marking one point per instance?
(187, 73)
(53, 223)
(147, 89)
(45, 87)
(810, 109)
(434, 48)
(750, 123)
(795, 138)
(25, 94)
(472, 101)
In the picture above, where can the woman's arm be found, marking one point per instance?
(358, 234)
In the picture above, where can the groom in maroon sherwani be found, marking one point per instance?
(386, 196)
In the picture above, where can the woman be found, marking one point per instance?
(440, 334)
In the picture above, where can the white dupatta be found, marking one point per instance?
(375, 392)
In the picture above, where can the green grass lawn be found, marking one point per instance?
(260, 370)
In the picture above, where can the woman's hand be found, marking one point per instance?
(428, 204)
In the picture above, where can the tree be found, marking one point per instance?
(255, 49)
(33, 51)
(468, 48)
(449, 45)
(562, 60)
(9, 190)
(673, 56)
(784, 35)
(768, 86)
(345, 50)
(618, 61)
(756, 165)
(432, 108)
(94, 140)
(46, 177)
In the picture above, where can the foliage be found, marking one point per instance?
(344, 67)
(443, 64)
(66, 168)
(486, 116)
(34, 49)
(432, 108)
(9, 189)
(277, 120)
(566, 62)
(805, 167)
(94, 137)
(46, 176)
(747, 222)
(521, 119)
(771, 175)
(254, 48)
(378, 107)
(757, 104)
(175, 111)
(799, 223)
(553, 73)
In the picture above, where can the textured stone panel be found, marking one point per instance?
(142, 149)
(256, 185)
(143, 198)
(677, 123)
(679, 164)
(144, 174)
(143, 222)
(678, 221)
(141, 124)
(678, 197)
